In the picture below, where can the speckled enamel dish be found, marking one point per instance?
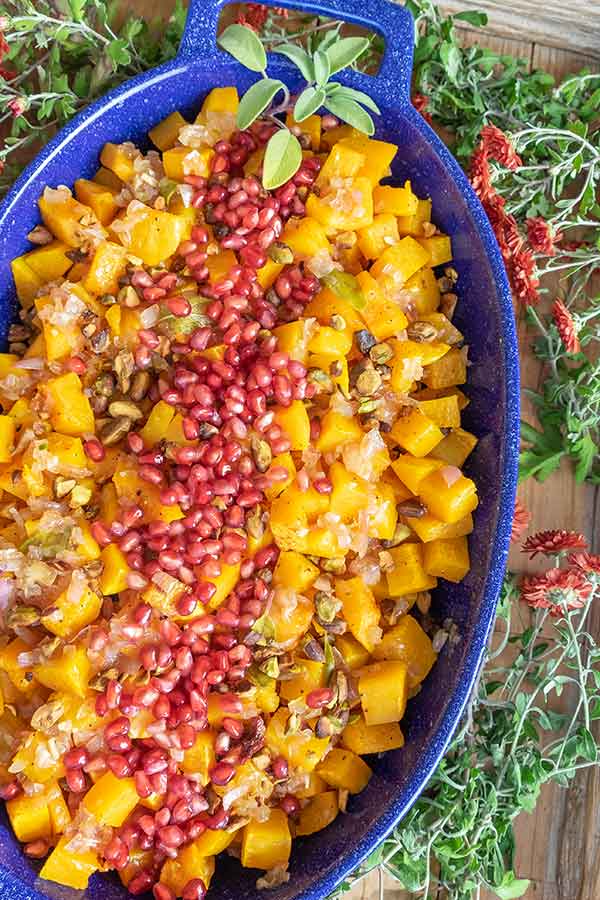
(485, 316)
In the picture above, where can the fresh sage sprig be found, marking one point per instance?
(283, 154)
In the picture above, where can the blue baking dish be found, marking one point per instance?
(484, 314)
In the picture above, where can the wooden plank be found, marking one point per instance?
(574, 25)
(562, 62)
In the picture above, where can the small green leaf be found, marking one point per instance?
(245, 46)
(451, 60)
(299, 57)
(473, 17)
(256, 99)
(283, 157)
(343, 53)
(118, 52)
(349, 111)
(510, 888)
(322, 67)
(351, 94)
(310, 100)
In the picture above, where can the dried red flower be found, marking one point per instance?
(557, 590)
(255, 15)
(566, 327)
(521, 520)
(499, 147)
(587, 562)
(553, 541)
(17, 106)
(541, 236)
(420, 103)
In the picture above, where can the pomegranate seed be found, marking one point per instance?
(290, 805)
(222, 773)
(162, 892)
(194, 890)
(76, 781)
(318, 698)
(94, 449)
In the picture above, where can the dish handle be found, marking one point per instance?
(392, 21)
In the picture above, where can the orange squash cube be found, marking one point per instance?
(439, 248)
(411, 471)
(294, 422)
(350, 493)
(413, 224)
(384, 318)
(99, 197)
(294, 571)
(448, 371)
(378, 155)
(360, 610)
(428, 528)
(400, 261)
(305, 237)
(320, 812)
(311, 676)
(68, 868)
(383, 690)
(399, 201)
(447, 558)
(448, 502)
(408, 575)
(311, 126)
(111, 799)
(416, 433)
(364, 739)
(337, 429)
(266, 844)
(423, 293)
(344, 770)
(407, 642)
(165, 134)
(444, 411)
(378, 236)
(455, 447)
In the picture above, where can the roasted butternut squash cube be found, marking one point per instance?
(165, 134)
(63, 215)
(7, 437)
(224, 583)
(69, 615)
(294, 571)
(67, 671)
(111, 799)
(157, 423)
(305, 237)
(292, 338)
(335, 365)
(383, 514)
(106, 178)
(69, 408)
(455, 447)
(114, 573)
(428, 528)
(301, 749)
(320, 812)
(413, 224)
(27, 282)
(107, 266)
(378, 155)
(364, 739)
(200, 758)
(350, 493)
(416, 433)
(448, 558)
(30, 817)
(99, 197)
(50, 261)
(345, 209)
(281, 461)
(267, 274)
(384, 317)
(314, 785)
(400, 261)
(448, 371)
(344, 161)
(187, 865)
(439, 248)
(329, 340)
(181, 161)
(411, 471)
(408, 575)
(448, 502)
(152, 234)
(337, 429)
(68, 868)
(378, 236)
(266, 844)
(444, 411)
(311, 675)
(407, 642)
(221, 100)
(398, 201)
(344, 770)
(447, 332)
(423, 293)
(355, 655)
(360, 610)
(294, 421)
(20, 676)
(383, 690)
(326, 304)
(290, 618)
(119, 159)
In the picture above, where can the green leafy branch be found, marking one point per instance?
(283, 154)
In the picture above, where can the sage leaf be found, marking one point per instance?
(478, 19)
(283, 156)
(309, 101)
(245, 46)
(349, 111)
(343, 53)
(510, 888)
(300, 58)
(322, 67)
(256, 99)
(352, 94)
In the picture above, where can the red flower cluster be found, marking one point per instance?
(553, 542)
(255, 15)
(587, 562)
(541, 237)
(420, 103)
(557, 590)
(521, 520)
(566, 327)
(519, 260)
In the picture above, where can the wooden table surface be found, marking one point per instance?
(558, 846)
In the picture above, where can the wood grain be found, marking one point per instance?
(558, 846)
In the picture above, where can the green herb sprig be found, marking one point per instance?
(283, 154)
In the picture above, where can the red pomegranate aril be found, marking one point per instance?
(141, 883)
(221, 774)
(280, 767)
(94, 449)
(76, 781)
(142, 784)
(171, 836)
(318, 698)
(290, 805)
(76, 758)
(233, 727)
(162, 892)
(116, 853)
(154, 762)
(194, 890)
